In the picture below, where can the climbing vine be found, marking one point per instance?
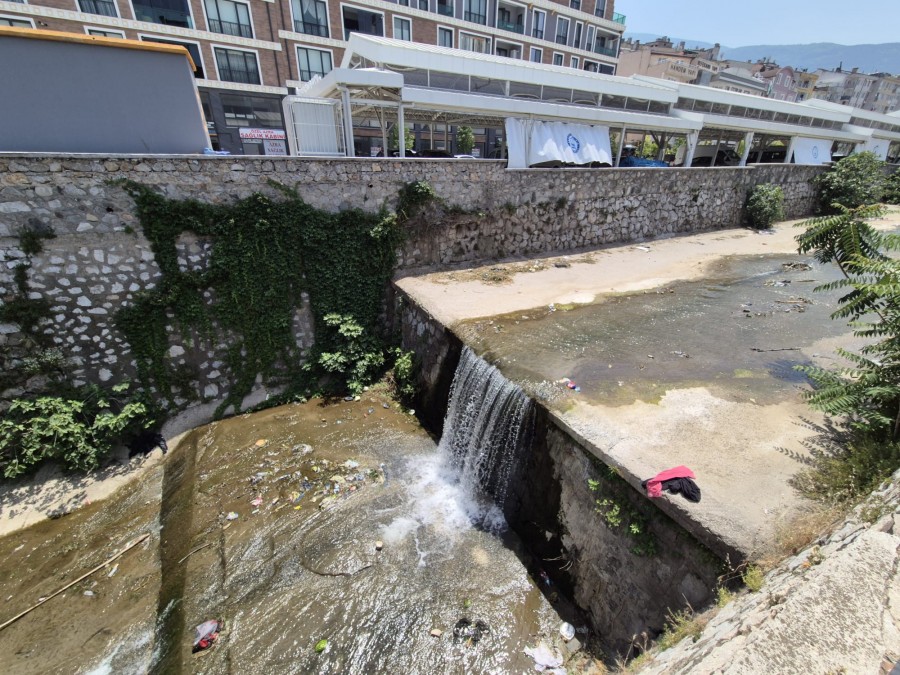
(614, 505)
(264, 255)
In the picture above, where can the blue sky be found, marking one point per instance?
(736, 24)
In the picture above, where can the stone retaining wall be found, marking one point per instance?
(99, 257)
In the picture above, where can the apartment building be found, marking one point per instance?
(667, 61)
(249, 54)
(876, 92)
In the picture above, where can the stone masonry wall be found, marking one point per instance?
(99, 257)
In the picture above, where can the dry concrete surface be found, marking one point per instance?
(743, 453)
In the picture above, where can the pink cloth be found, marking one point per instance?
(654, 485)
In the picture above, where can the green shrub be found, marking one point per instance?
(753, 578)
(765, 206)
(892, 188)
(465, 140)
(78, 432)
(854, 181)
(403, 379)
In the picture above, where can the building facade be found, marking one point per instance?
(668, 61)
(249, 54)
(877, 92)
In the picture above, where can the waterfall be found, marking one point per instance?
(487, 428)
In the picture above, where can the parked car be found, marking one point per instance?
(703, 156)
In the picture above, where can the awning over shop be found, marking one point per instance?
(533, 142)
(811, 151)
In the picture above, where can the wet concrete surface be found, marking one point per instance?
(270, 521)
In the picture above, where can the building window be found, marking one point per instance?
(310, 17)
(445, 7)
(235, 66)
(193, 49)
(101, 7)
(562, 30)
(600, 8)
(445, 37)
(423, 5)
(538, 21)
(251, 111)
(361, 21)
(557, 59)
(576, 42)
(165, 12)
(474, 43)
(575, 61)
(575, 4)
(402, 29)
(592, 67)
(99, 32)
(475, 11)
(404, 3)
(537, 55)
(15, 23)
(312, 62)
(229, 18)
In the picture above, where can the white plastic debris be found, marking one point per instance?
(546, 660)
(567, 631)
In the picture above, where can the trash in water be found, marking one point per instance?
(257, 501)
(89, 594)
(470, 632)
(321, 646)
(112, 572)
(232, 516)
(545, 659)
(567, 631)
(385, 406)
(348, 398)
(436, 632)
(646, 249)
(545, 578)
(379, 545)
(795, 267)
(261, 442)
(551, 307)
(206, 634)
(351, 464)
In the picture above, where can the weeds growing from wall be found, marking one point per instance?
(266, 254)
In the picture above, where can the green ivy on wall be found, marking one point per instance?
(265, 254)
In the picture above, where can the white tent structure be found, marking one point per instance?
(552, 115)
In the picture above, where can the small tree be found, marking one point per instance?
(393, 142)
(465, 140)
(854, 181)
(765, 205)
(892, 188)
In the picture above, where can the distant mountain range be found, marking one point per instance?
(883, 58)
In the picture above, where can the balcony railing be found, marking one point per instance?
(618, 18)
(231, 28)
(445, 10)
(562, 39)
(241, 75)
(606, 51)
(166, 17)
(537, 33)
(310, 28)
(476, 18)
(510, 26)
(101, 7)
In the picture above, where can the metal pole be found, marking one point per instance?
(401, 131)
(691, 147)
(748, 141)
(621, 145)
(790, 150)
(349, 150)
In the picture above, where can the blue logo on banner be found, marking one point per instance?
(573, 142)
(815, 152)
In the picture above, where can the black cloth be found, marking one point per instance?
(687, 487)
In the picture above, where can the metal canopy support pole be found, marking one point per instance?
(349, 149)
(621, 145)
(692, 139)
(790, 150)
(661, 149)
(401, 131)
(748, 141)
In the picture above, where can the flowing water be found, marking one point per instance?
(270, 521)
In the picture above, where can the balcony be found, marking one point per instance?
(562, 39)
(101, 7)
(311, 28)
(231, 28)
(512, 27)
(618, 18)
(605, 51)
(476, 18)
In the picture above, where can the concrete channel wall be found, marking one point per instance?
(100, 259)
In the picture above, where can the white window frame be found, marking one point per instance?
(115, 4)
(575, 62)
(451, 4)
(407, 19)
(17, 18)
(232, 48)
(359, 8)
(249, 14)
(327, 17)
(575, 32)
(178, 38)
(120, 33)
(438, 36)
(534, 13)
(190, 12)
(540, 52)
(590, 37)
(490, 44)
(562, 59)
(568, 29)
(314, 48)
(586, 62)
